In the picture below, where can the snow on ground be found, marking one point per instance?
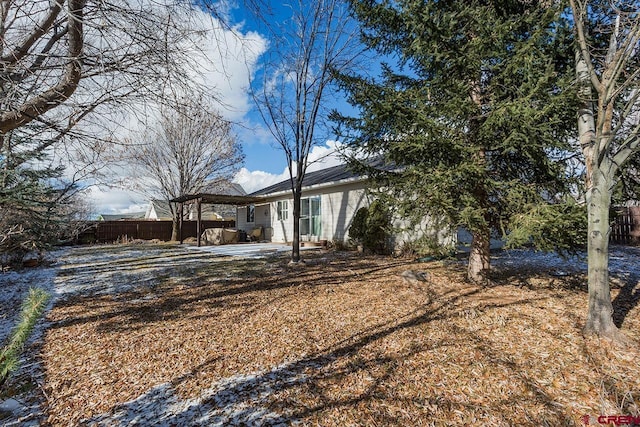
(110, 270)
(25, 410)
(237, 400)
(249, 250)
(623, 262)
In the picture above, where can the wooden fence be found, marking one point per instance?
(111, 231)
(625, 226)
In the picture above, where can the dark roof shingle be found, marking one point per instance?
(323, 176)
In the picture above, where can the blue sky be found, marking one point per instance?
(262, 153)
(238, 57)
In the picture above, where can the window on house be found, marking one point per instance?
(283, 210)
(251, 213)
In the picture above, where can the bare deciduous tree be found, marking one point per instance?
(187, 151)
(608, 70)
(78, 68)
(320, 38)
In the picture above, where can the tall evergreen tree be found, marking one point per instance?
(473, 112)
(37, 207)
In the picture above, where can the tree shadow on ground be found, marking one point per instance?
(627, 299)
(271, 397)
(154, 295)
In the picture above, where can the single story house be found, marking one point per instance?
(330, 199)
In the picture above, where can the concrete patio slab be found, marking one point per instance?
(248, 250)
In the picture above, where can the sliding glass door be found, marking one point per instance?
(310, 224)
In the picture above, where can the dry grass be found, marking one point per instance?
(373, 349)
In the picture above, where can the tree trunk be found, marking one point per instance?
(599, 184)
(479, 257)
(295, 246)
(175, 228)
(600, 315)
(586, 121)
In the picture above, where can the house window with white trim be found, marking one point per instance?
(251, 213)
(283, 210)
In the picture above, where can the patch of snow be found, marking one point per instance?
(10, 405)
(249, 250)
(15, 287)
(121, 270)
(623, 262)
(236, 400)
(26, 410)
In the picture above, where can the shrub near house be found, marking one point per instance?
(370, 227)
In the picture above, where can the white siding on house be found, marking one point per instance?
(337, 208)
(261, 218)
(281, 230)
(441, 233)
(151, 212)
(338, 205)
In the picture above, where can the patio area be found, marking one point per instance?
(248, 250)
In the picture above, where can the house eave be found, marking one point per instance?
(222, 199)
(271, 196)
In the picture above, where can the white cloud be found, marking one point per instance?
(225, 60)
(325, 156)
(320, 157)
(255, 133)
(255, 180)
(115, 200)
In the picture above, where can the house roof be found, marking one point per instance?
(323, 176)
(222, 199)
(224, 193)
(162, 208)
(122, 216)
(335, 174)
(226, 188)
(330, 175)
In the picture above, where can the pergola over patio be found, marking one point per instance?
(210, 199)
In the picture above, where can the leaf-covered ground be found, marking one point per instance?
(342, 341)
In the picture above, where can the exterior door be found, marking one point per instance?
(310, 221)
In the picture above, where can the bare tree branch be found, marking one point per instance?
(51, 98)
(187, 151)
(320, 38)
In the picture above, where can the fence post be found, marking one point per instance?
(180, 221)
(198, 226)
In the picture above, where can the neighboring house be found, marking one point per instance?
(159, 209)
(330, 199)
(122, 216)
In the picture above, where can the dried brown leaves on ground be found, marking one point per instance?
(372, 348)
